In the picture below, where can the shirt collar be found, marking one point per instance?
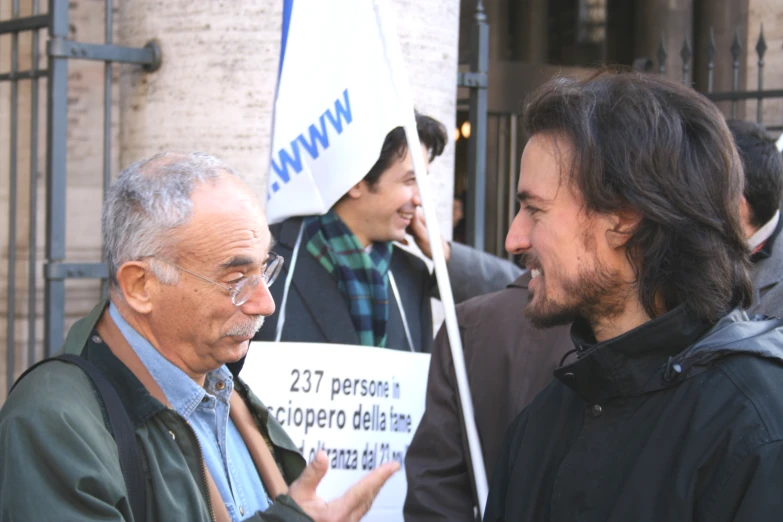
(763, 233)
(182, 392)
(624, 366)
(766, 249)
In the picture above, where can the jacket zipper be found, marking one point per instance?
(212, 516)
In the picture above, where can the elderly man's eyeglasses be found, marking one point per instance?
(241, 290)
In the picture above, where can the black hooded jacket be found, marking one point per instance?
(676, 420)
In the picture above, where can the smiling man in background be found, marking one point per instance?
(351, 284)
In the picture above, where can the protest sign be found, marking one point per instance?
(360, 405)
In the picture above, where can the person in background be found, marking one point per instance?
(351, 284)
(459, 232)
(760, 214)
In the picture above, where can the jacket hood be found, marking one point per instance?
(734, 334)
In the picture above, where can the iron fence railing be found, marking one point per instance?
(59, 50)
(711, 52)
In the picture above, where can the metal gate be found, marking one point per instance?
(59, 49)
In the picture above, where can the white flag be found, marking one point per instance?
(342, 87)
(335, 105)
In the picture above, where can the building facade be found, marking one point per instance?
(532, 40)
(215, 86)
(214, 92)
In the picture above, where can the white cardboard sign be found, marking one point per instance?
(360, 405)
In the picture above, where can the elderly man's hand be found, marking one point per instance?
(350, 507)
(418, 229)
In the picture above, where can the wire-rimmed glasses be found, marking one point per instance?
(241, 291)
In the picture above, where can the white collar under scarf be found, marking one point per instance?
(763, 233)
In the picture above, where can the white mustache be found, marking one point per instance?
(248, 329)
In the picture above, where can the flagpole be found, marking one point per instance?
(399, 75)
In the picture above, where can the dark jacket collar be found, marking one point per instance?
(623, 366)
(83, 339)
(140, 405)
(287, 231)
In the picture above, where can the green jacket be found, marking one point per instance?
(59, 462)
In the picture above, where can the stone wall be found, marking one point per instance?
(215, 89)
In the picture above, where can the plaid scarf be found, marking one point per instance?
(362, 278)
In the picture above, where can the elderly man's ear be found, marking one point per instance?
(137, 285)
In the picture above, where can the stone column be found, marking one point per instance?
(214, 91)
(762, 12)
(672, 17)
(724, 17)
(497, 12)
(429, 34)
(529, 38)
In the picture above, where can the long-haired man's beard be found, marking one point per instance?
(248, 328)
(597, 293)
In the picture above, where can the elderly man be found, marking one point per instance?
(630, 187)
(190, 264)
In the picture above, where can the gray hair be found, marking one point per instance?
(147, 202)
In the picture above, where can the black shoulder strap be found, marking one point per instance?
(121, 428)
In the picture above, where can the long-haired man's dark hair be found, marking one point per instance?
(659, 148)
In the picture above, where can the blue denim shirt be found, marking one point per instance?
(206, 410)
